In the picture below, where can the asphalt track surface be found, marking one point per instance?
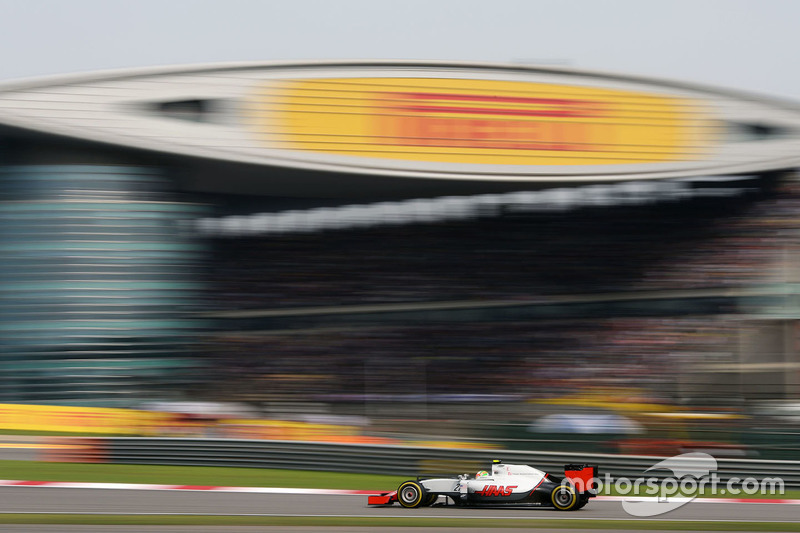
(120, 501)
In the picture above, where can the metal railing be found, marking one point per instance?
(394, 460)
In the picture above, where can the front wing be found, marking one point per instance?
(385, 498)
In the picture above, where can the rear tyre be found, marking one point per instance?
(582, 501)
(564, 498)
(411, 494)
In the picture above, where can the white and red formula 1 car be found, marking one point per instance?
(506, 484)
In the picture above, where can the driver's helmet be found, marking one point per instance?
(482, 473)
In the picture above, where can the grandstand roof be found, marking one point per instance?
(378, 129)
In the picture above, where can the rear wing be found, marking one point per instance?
(583, 477)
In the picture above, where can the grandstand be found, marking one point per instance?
(503, 303)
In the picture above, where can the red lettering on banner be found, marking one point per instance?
(487, 134)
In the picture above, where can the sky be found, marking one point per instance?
(749, 45)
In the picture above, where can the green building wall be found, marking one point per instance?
(98, 285)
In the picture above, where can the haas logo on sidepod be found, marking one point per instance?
(494, 490)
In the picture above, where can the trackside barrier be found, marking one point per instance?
(78, 450)
(395, 460)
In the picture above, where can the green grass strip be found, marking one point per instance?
(216, 520)
(194, 475)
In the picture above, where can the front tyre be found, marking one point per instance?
(411, 494)
(564, 498)
(430, 499)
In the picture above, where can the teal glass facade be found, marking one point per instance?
(98, 285)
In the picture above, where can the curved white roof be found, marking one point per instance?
(412, 120)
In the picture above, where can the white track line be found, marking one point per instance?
(324, 492)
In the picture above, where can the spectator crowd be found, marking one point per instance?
(708, 243)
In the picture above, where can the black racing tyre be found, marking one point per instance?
(564, 498)
(411, 494)
(583, 499)
(429, 500)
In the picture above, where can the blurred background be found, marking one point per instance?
(182, 254)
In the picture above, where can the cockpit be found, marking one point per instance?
(500, 469)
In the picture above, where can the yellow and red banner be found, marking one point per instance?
(80, 419)
(481, 121)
